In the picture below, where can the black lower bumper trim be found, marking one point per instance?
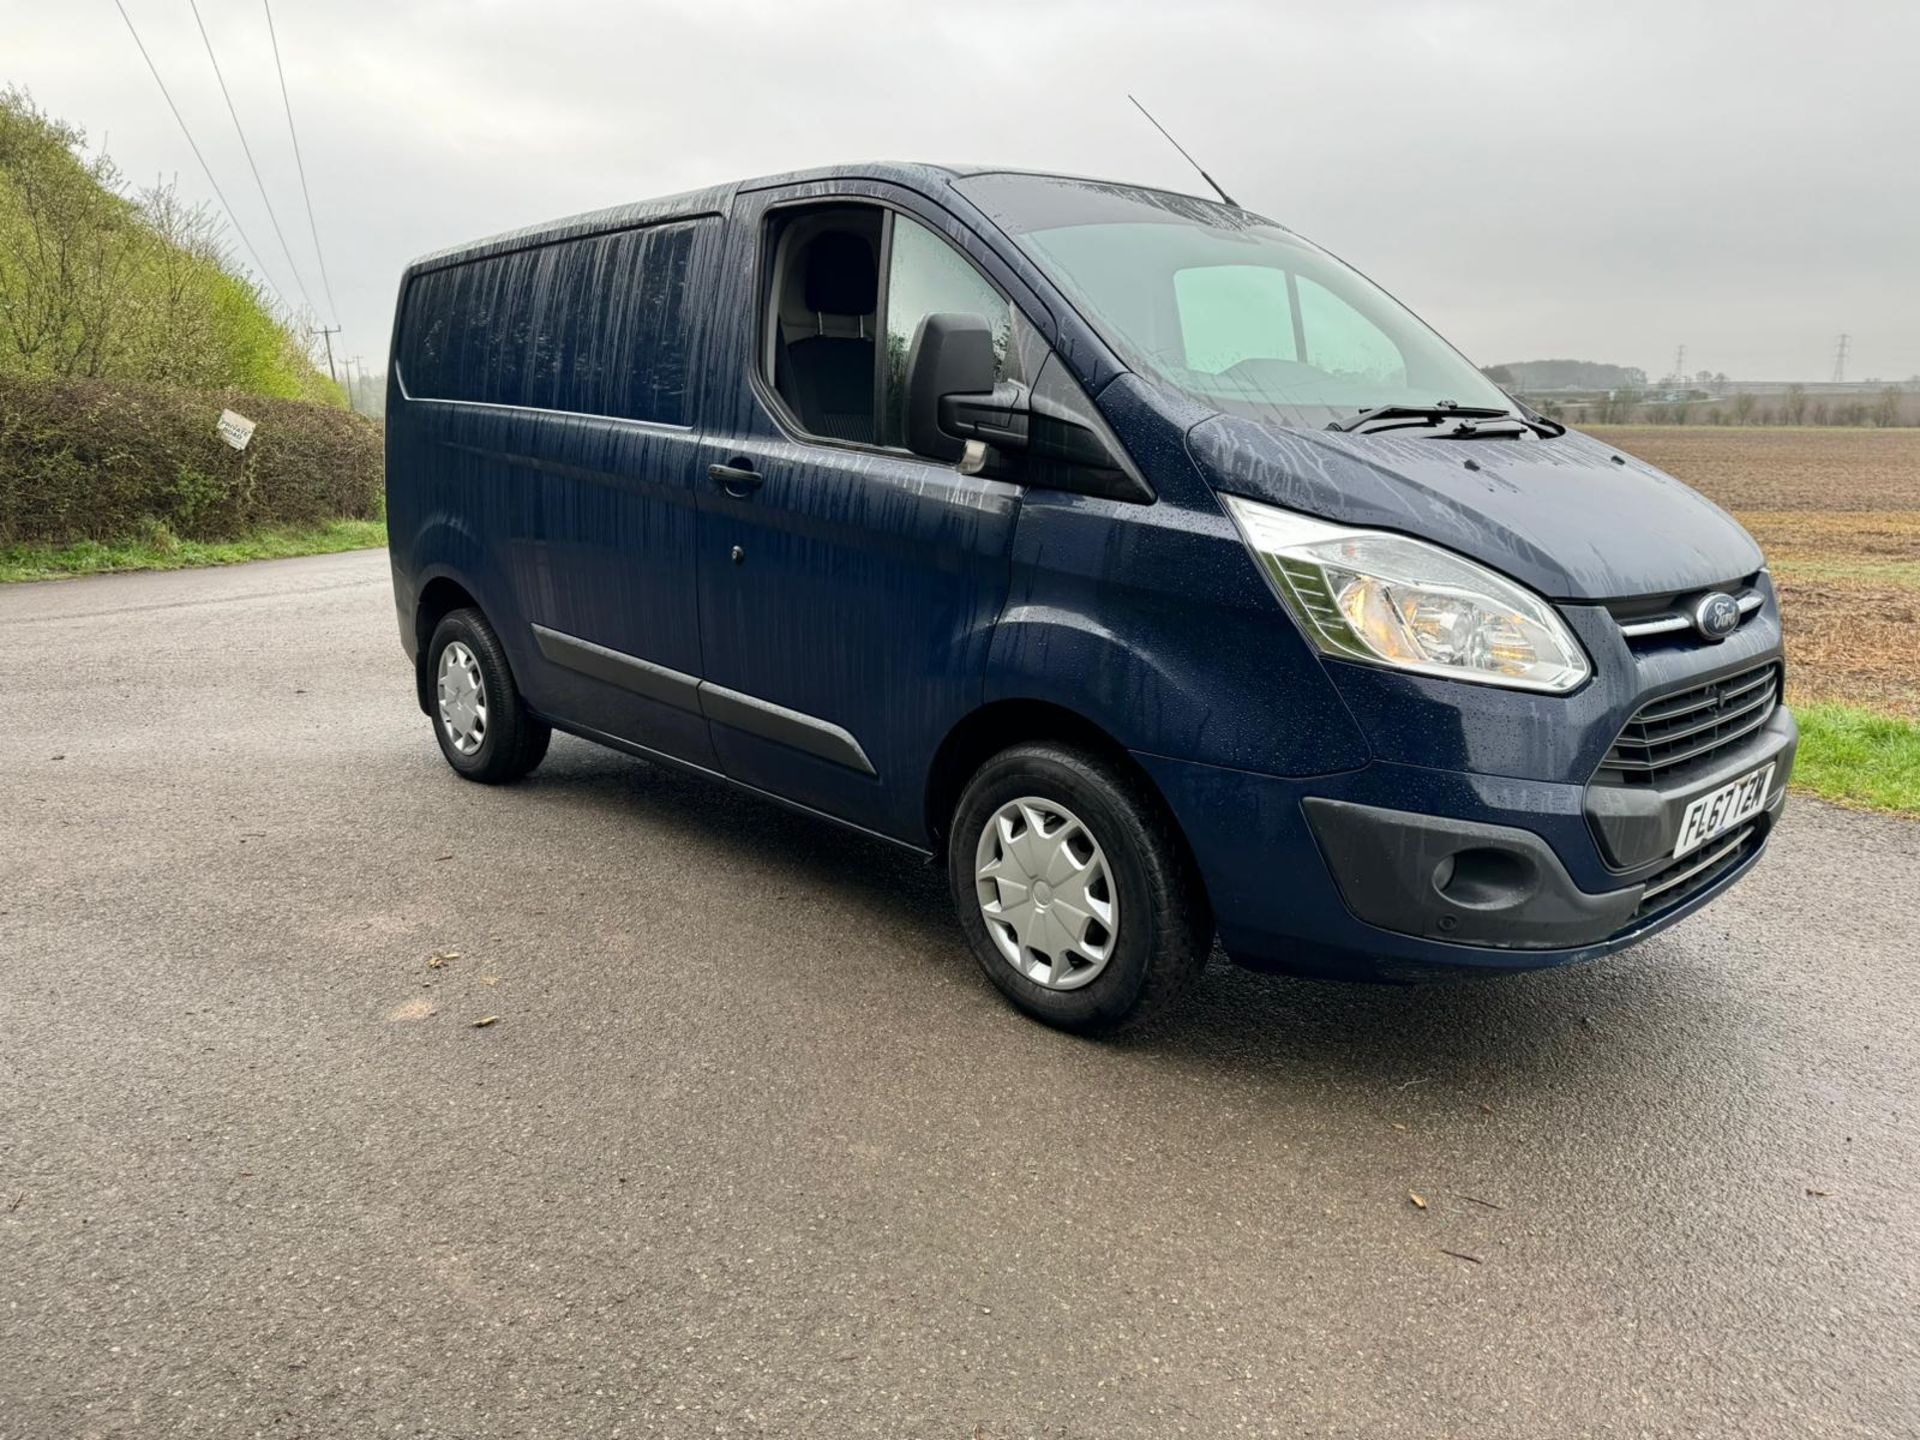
(1458, 881)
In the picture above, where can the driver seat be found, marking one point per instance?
(828, 375)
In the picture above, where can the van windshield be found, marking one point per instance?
(1233, 310)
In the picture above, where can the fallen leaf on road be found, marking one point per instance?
(441, 957)
(489, 979)
(1819, 1194)
(1419, 1201)
(486, 1020)
(1485, 1109)
(412, 1010)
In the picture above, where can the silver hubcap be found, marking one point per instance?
(463, 698)
(1046, 893)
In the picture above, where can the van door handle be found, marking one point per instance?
(738, 480)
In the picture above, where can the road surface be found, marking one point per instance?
(753, 1149)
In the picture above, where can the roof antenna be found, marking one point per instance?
(1224, 197)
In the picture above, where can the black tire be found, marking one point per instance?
(513, 742)
(1164, 924)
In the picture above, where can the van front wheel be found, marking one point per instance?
(1075, 890)
(483, 728)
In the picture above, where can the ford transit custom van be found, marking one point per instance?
(1156, 573)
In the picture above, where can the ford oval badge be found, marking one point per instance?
(1717, 615)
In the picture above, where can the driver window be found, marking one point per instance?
(927, 276)
(825, 288)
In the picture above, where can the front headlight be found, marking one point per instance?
(1391, 600)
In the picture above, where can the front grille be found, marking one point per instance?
(1668, 619)
(1690, 874)
(1689, 728)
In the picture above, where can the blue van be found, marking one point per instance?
(1155, 572)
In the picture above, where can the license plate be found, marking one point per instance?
(1720, 810)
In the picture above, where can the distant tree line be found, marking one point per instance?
(1890, 407)
(101, 282)
(1566, 375)
(367, 393)
(1700, 400)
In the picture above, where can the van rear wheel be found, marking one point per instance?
(484, 729)
(1075, 889)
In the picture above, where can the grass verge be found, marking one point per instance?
(1855, 757)
(159, 549)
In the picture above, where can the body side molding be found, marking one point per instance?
(615, 667)
(788, 727)
(800, 731)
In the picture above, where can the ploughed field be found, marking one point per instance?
(1838, 513)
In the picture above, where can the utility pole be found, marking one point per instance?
(1680, 363)
(1840, 360)
(327, 334)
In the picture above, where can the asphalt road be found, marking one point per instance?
(753, 1148)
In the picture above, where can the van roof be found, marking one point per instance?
(914, 175)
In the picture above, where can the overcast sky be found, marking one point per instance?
(1603, 181)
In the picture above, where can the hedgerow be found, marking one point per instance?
(99, 460)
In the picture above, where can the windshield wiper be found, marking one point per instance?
(1411, 416)
(1474, 420)
(1541, 424)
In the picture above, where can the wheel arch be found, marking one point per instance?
(993, 727)
(438, 598)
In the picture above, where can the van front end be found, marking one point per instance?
(1498, 829)
(1507, 697)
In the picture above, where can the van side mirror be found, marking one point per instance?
(1047, 436)
(951, 394)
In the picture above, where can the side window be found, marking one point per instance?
(597, 326)
(927, 276)
(1343, 342)
(821, 322)
(1230, 313)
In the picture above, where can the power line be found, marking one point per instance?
(205, 169)
(247, 149)
(299, 164)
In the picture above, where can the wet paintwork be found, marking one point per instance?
(1557, 513)
(893, 597)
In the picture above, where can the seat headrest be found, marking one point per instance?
(842, 278)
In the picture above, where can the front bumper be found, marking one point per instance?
(1397, 872)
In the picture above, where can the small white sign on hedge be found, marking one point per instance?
(235, 429)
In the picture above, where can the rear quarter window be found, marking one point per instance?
(594, 326)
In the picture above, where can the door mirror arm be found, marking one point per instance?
(1000, 417)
